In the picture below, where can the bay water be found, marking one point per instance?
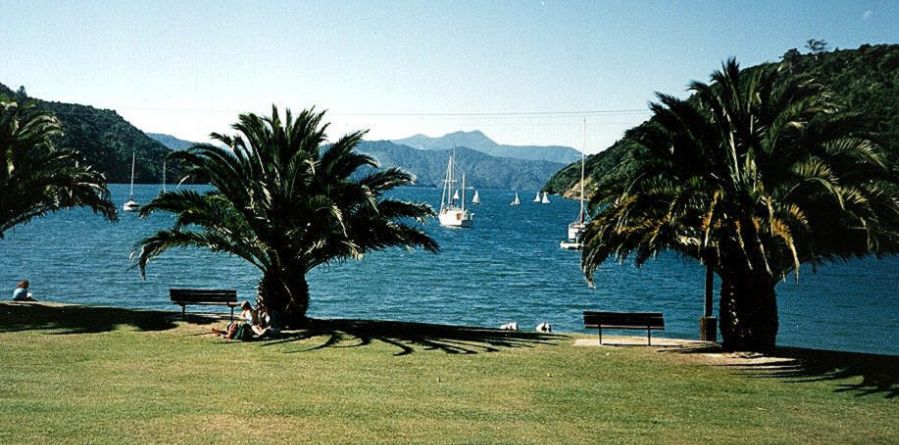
(507, 267)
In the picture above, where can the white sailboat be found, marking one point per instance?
(537, 198)
(515, 201)
(451, 214)
(163, 176)
(131, 205)
(476, 199)
(545, 199)
(576, 228)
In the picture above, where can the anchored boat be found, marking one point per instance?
(452, 206)
(576, 228)
(131, 205)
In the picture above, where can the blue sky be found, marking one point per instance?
(397, 68)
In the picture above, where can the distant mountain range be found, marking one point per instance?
(429, 166)
(481, 170)
(106, 140)
(479, 141)
(170, 141)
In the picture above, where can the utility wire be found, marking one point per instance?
(497, 114)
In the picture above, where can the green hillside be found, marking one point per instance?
(105, 139)
(865, 81)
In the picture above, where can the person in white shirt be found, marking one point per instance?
(21, 292)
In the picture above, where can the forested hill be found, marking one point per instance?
(864, 80)
(104, 138)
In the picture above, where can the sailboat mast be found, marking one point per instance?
(463, 192)
(451, 174)
(163, 176)
(445, 180)
(131, 192)
(583, 166)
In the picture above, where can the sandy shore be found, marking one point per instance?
(695, 351)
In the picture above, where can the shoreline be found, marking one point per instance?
(579, 339)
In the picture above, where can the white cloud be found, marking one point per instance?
(867, 14)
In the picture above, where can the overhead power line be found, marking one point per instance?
(506, 113)
(496, 114)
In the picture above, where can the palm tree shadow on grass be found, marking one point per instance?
(408, 337)
(879, 373)
(64, 319)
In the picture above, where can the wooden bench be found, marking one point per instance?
(625, 320)
(216, 297)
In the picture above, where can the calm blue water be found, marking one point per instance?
(508, 267)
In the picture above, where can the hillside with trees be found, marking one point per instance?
(104, 138)
(864, 81)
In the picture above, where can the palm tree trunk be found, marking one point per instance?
(748, 312)
(709, 297)
(708, 324)
(286, 295)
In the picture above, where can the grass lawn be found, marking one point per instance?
(90, 375)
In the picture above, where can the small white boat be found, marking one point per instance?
(575, 233)
(545, 199)
(515, 201)
(131, 205)
(476, 199)
(537, 198)
(451, 214)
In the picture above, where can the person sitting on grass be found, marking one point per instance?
(21, 292)
(250, 325)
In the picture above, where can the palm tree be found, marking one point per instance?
(753, 175)
(286, 202)
(38, 178)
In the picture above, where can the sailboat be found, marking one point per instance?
(452, 215)
(163, 176)
(476, 199)
(515, 201)
(131, 205)
(576, 228)
(545, 199)
(537, 198)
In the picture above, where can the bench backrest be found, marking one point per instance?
(203, 295)
(646, 320)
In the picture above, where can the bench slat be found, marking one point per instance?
(208, 297)
(624, 320)
(197, 296)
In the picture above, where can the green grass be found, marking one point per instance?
(89, 375)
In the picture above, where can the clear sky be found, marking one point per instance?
(188, 68)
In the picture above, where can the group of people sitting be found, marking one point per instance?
(252, 324)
